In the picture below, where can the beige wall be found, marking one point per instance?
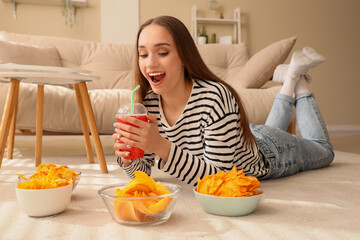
(329, 26)
(43, 19)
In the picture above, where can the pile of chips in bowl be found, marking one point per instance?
(48, 176)
(229, 184)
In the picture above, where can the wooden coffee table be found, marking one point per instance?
(42, 75)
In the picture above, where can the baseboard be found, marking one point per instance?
(340, 130)
(345, 128)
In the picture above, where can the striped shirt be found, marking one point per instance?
(204, 140)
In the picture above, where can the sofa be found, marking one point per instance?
(113, 64)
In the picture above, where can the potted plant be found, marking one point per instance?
(68, 11)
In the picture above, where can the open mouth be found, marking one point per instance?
(157, 77)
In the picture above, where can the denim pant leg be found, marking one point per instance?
(309, 119)
(288, 154)
(280, 112)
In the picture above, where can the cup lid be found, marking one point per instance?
(138, 109)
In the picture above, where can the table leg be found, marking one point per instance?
(8, 112)
(39, 124)
(11, 139)
(84, 125)
(94, 131)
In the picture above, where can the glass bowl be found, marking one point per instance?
(136, 210)
(228, 206)
(76, 180)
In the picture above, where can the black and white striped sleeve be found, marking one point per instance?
(142, 164)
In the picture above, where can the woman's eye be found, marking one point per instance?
(143, 55)
(163, 53)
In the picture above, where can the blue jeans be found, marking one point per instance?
(287, 154)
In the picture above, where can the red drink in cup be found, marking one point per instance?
(139, 112)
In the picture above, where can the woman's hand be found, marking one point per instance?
(120, 149)
(145, 136)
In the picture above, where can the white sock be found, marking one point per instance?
(280, 73)
(308, 57)
(288, 88)
(301, 86)
(315, 57)
(299, 65)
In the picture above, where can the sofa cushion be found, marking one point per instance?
(254, 99)
(225, 61)
(113, 63)
(11, 52)
(260, 67)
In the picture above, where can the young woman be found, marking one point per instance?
(197, 124)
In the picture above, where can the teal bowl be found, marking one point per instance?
(228, 206)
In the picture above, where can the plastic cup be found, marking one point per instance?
(140, 112)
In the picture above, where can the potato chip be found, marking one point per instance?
(137, 209)
(48, 176)
(230, 184)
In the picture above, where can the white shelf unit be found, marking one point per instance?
(195, 21)
(75, 4)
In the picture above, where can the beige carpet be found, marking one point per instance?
(321, 204)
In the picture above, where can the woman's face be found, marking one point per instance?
(159, 61)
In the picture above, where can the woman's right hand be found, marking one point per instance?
(121, 149)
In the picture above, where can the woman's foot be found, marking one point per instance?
(281, 71)
(300, 64)
(315, 57)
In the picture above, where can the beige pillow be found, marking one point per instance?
(260, 67)
(11, 52)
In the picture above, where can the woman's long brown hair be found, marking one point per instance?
(195, 67)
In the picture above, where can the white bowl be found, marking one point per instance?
(44, 202)
(228, 206)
